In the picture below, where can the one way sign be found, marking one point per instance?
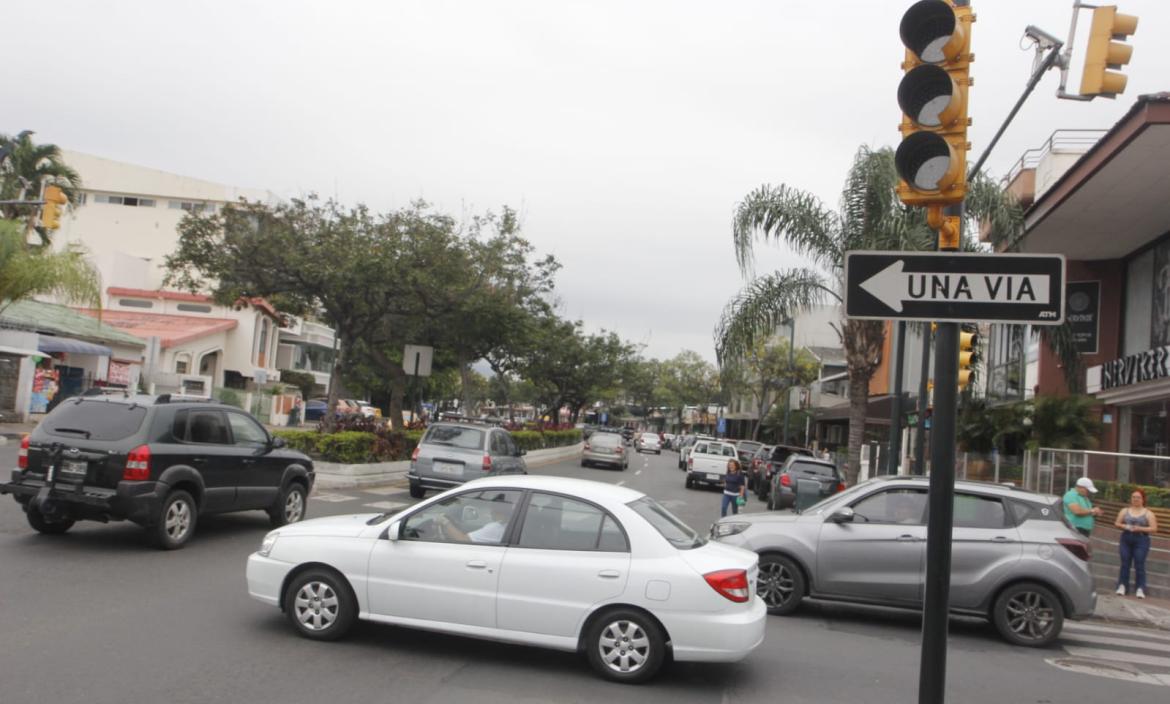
(955, 287)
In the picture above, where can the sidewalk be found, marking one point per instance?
(14, 431)
(1149, 613)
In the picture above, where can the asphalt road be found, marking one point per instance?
(97, 616)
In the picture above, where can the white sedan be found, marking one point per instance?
(568, 564)
(650, 442)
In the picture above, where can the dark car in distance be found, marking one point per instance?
(773, 464)
(160, 462)
(782, 491)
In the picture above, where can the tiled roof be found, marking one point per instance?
(172, 330)
(160, 294)
(54, 319)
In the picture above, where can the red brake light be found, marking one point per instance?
(487, 463)
(586, 445)
(137, 464)
(732, 584)
(841, 486)
(22, 455)
(1082, 549)
(785, 480)
(414, 455)
(691, 462)
(620, 449)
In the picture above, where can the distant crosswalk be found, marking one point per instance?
(381, 499)
(1117, 652)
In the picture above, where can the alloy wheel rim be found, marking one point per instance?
(776, 584)
(1030, 616)
(624, 647)
(178, 519)
(316, 606)
(294, 505)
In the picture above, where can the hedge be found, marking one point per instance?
(356, 447)
(1156, 497)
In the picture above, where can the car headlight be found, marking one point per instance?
(723, 530)
(268, 544)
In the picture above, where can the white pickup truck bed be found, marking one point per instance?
(707, 462)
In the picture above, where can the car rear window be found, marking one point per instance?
(749, 447)
(94, 420)
(455, 436)
(676, 532)
(605, 439)
(820, 470)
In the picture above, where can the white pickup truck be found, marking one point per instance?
(707, 462)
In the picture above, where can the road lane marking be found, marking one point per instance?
(1117, 656)
(637, 473)
(386, 505)
(1134, 641)
(1085, 667)
(332, 498)
(622, 483)
(1125, 632)
(383, 490)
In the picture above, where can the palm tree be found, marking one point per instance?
(26, 168)
(870, 217)
(30, 270)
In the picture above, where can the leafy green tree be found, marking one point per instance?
(26, 169)
(870, 217)
(36, 270)
(766, 374)
(688, 380)
(1071, 422)
(302, 380)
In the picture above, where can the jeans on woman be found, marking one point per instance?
(1134, 548)
(730, 500)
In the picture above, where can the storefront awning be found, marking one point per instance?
(52, 343)
(19, 351)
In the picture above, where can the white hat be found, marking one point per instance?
(1088, 484)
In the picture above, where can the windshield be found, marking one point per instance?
(94, 420)
(605, 439)
(456, 436)
(749, 447)
(676, 532)
(820, 470)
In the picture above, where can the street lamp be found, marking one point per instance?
(791, 377)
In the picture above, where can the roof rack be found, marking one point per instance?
(180, 398)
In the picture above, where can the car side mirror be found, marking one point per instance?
(392, 531)
(521, 452)
(277, 442)
(842, 515)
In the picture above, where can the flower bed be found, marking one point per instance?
(383, 445)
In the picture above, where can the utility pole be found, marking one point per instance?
(895, 449)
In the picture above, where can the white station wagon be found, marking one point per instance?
(567, 564)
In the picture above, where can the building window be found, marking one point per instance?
(191, 206)
(262, 355)
(1006, 362)
(79, 199)
(132, 201)
(194, 307)
(135, 303)
(181, 366)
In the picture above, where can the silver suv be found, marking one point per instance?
(1014, 561)
(450, 454)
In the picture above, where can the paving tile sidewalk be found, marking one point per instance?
(1150, 613)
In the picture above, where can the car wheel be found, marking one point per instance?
(290, 508)
(625, 646)
(690, 483)
(584, 463)
(781, 584)
(416, 491)
(41, 524)
(176, 521)
(1028, 614)
(320, 605)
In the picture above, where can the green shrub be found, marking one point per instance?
(347, 447)
(535, 440)
(303, 440)
(229, 397)
(1156, 497)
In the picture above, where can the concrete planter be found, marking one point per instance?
(334, 475)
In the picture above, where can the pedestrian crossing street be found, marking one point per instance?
(1115, 651)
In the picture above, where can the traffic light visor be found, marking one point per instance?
(930, 30)
(927, 162)
(929, 96)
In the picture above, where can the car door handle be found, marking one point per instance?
(247, 460)
(477, 565)
(1001, 539)
(908, 539)
(198, 460)
(609, 574)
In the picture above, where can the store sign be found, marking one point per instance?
(118, 374)
(1083, 313)
(1136, 368)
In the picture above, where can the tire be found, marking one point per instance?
(176, 521)
(781, 584)
(584, 463)
(416, 491)
(290, 507)
(658, 452)
(40, 524)
(320, 605)
(1028, 614)
(624, 645)
(690, 483)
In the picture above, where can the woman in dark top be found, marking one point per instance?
(733, 487)
(1137, 524)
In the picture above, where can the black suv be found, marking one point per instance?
(157, 461)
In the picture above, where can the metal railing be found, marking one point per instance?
(1055, 470)
(1069, 140)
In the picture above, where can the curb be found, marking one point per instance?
(1131, 613)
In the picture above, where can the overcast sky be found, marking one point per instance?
(624, 131)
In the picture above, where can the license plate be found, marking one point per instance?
(714, 477)
(446, 468)
(74, 468)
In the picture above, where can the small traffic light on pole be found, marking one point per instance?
(1102, 53)
(54, 199)
(968, 356)
(932, 158)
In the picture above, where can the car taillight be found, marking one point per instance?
(22, 455)
(137, 464)
(785, 480)
(620, 449)
(840, 486)
(1079, 548)
(414, 455)
(690, 463)
(732, 584)
(587, 447)
(487, 463)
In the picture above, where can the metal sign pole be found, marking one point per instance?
(895, 449)
(414, 388)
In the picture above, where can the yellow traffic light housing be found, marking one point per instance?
(968, 356)
(1102, 53)
(55, 199)
(932, 158)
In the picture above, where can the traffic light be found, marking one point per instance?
(932, 158)
(1102, 53)
(968, 355)
(51, 210)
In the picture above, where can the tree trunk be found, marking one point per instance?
(398, 381)
(465, 385)
(858, 407)
(329, 422)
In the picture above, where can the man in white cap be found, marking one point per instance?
(1078, 509)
